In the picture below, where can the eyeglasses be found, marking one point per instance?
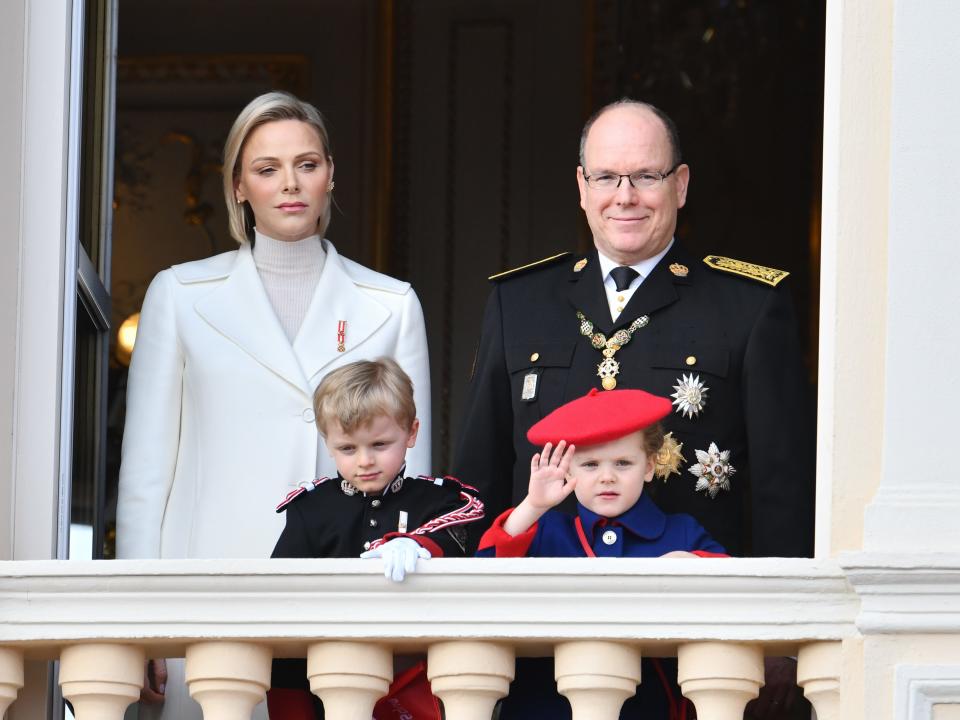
(641, 179)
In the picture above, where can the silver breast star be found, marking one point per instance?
(713, 470)
(690, 396)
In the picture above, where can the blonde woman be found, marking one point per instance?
(230, 349)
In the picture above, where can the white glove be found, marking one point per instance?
(399, 557)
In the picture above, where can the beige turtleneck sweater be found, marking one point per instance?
(290, 272)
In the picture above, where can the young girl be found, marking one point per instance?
(601, 447)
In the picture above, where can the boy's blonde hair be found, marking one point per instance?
(355, 394)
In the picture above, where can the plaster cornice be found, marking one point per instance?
(905, 592)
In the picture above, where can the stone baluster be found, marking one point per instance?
(596, 676)
(101, 679)
(469, 677)
(818, 673)
(228, 679)
(720, 678)
(349, 677)
(11, 676)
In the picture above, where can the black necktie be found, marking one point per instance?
(623, 276)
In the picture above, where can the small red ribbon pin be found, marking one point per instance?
(341, 335)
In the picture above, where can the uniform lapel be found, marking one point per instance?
(240, 309)
(337, 298)
(588, 296)
(657, 291)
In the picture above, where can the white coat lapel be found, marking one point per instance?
(240, 309)
(337, 298)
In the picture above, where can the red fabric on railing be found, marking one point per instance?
(409, 698)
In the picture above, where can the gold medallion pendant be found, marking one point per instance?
(608, 369)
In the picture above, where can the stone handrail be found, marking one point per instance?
(471, 617)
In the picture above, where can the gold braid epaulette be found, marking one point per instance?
(528, 266)
(770, 276)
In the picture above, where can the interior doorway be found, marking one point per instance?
(455, 126)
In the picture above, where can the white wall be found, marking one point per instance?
(12, 32)
(922, 394)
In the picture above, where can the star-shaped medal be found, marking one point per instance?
(713, 470)
(669, 458)
(690, 396)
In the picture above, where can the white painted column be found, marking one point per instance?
(469, 677)
(923, 336)
(818, 673)
(11, 676)
(228, 679)
(720, 678)
(596, 676)
(853, 263)
(101, 679)
(349, 677)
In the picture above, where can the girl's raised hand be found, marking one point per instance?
(549, 484)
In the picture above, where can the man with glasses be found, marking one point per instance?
(718, 336)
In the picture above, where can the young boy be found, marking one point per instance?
(605, 451)
(366, 414)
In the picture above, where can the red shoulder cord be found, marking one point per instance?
(678, 708)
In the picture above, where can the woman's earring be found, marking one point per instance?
(330, 186)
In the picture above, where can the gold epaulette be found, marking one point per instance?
(770, 276)
(528, 266)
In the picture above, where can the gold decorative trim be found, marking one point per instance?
(505, 273)
(770, 276)
(286, 71)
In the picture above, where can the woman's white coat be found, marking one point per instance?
(219, 423)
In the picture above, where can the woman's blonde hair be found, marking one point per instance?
(261, 110)
(355, 394)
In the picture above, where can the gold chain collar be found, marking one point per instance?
(609, 368)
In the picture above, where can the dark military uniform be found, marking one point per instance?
(738, 335)
(329, 518)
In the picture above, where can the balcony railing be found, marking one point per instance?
(471, 617)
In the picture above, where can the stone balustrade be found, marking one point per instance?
(471, 618)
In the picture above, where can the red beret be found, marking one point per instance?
(599, 417)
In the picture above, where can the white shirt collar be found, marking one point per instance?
(644, 267)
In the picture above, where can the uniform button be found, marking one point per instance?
(619, 308)
(619, 298)
(308, 415)
(375, 503)
(609, 537)
(366, 546)
(535, 357)
(373, 522)
(691, 359)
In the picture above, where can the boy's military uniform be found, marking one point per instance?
(330, 518)
(718, 337)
